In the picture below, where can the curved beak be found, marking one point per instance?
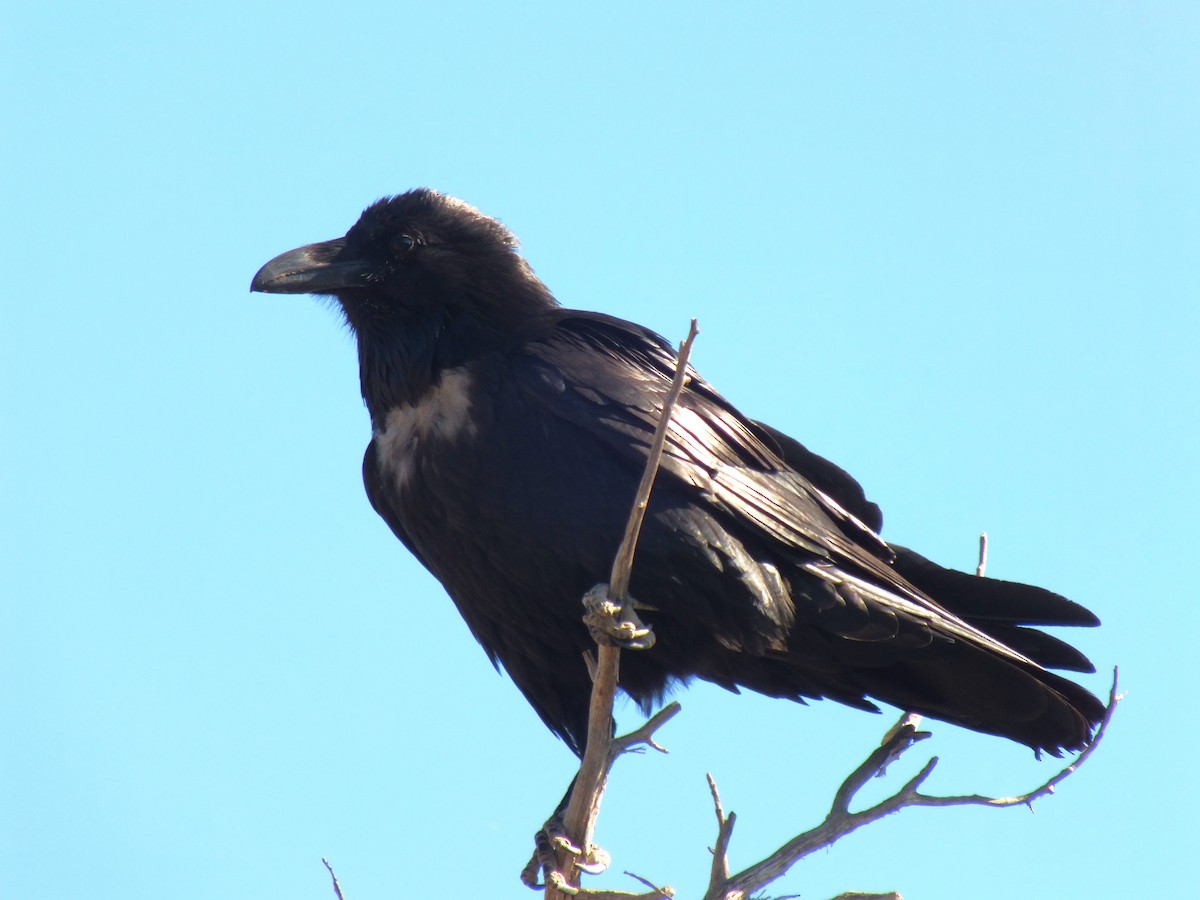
(314, 269)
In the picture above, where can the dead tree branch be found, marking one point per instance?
(841, 820)
(613, 621)
(337, 888)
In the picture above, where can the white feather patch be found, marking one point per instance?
(442, 414)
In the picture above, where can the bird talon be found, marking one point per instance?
(614, 623)
(551, 840)
(597, 860)
(559, 882)
(562, 842)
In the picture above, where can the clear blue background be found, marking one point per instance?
(952, 246)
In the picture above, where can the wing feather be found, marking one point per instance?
(731, 460)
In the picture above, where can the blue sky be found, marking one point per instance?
(953, 247)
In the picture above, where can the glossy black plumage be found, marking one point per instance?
(509, 436)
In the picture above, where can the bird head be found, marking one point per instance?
(418, 256)
(426, 282)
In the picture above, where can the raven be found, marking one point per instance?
(508, 438)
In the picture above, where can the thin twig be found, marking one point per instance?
(584, 805)
(1046, 788)
(725, 823)
(656, 893)
(644, 733)
(337, 888)
(666, 891)
(623, 562)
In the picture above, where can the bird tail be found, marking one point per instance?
(1004, 696)
(1002, 609)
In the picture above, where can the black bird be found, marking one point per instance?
(509, 435)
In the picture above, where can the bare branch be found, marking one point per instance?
(665, 891)
(644, 734)
(1044, 789)
(622, 626)
(655, 893)
(899, 738)
(841, 820)
(720, 851)
(623, 563)
(337, 888)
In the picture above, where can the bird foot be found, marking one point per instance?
(548, 842)
(615, 623)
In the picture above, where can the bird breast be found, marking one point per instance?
(441, 415)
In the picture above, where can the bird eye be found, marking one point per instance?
(402, 243)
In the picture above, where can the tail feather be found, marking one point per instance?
(1022, 702)
(1044, 649)
(950, 677)
(982, 600)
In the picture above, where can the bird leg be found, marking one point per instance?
(612, 623)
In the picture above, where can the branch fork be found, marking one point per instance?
(841, 820)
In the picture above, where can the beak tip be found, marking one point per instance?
(258, 284)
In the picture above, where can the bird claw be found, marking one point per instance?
(551, 839)
(614, 623)
(595, 861)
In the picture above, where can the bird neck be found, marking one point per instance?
(399, 365)
(396, 366)
(402, 353)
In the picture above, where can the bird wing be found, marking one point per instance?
(593, 368)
